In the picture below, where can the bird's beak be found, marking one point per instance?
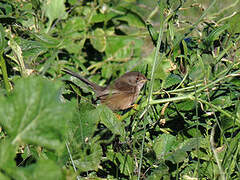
(144, 80)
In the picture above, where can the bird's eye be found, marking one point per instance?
(137, 79)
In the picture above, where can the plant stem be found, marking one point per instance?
(4, 72)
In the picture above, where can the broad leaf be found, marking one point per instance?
(98, 40)
(33, 114)
(168, 148)
(54, 9)
(83, 124)
(7, 155)
(90, 157)
(43, 169)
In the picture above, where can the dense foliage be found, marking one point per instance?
(187, 122)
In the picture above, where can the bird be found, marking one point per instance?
(119, 95)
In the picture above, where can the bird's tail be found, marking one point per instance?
(93, 85)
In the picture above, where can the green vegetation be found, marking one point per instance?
(187, 122)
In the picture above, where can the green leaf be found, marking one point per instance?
(127, 164)
(238, 111)
(48, 41)
(133, 19)
(85, 147)
(234, 24)
(3, 177)
(164, 144)
(73, 25)
(31, 49)
(110, 120)
(74, 34)
(90, 157)
(153, 33)
(85, 117)
(171, 80)
(163, 69)
(223, 101)
(4, 72)
(215, 34)
(122, 47)
(54, 9)
(107, 70)
(98, 40)
(2, 38)
(103, 17)
(197, 71)
(230, 159)
(167, 147)
(186, 105)
(7, 155)
(18, 54)
(33, 114)
(179, 153)
(43, 169)
(162, 172)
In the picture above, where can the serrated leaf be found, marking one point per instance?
(33, 114)
(98, 40)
